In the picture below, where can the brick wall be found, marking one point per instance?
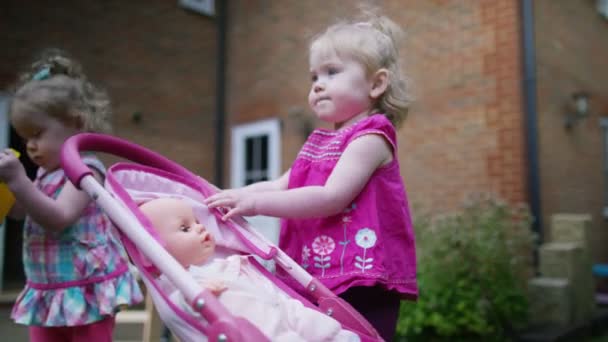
(463, 135)
(152, 56)
(572, 55)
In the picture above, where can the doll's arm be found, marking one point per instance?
(358, 162)
(215, 286)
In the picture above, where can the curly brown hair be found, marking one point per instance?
(56, 85)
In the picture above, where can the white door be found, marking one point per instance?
(4, 136)
(256, 157)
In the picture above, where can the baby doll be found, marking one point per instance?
(239, 285)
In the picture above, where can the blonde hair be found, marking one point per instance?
(372, 42)
(55, 84)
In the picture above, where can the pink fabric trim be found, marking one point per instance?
(120, 270)
(286, 288)
(377, 132)
(52, 190)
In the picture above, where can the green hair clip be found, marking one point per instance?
(43, 74)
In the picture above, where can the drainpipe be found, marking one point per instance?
(220, 90)
(531, 121)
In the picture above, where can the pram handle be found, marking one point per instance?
(75, 169)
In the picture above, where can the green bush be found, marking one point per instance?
(472, 271)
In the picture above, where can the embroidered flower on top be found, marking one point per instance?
(323, 246)
(346, 219)
(305, 256)
(365, 238)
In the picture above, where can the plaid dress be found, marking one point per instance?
(76, 276)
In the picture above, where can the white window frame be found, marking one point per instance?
(204, 7)
(4, 143)
(602, 8)
(268, 226)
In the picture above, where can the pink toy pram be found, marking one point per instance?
(215, 322)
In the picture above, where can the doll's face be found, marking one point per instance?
(186, 239)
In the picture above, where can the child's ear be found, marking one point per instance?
(379, 83)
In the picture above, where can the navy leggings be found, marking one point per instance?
(379, 306)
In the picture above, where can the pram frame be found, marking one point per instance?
(222, 324)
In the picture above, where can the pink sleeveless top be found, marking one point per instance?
(372, 241)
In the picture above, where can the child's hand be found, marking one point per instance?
(216, 287)
(10, 167)
(238, 201)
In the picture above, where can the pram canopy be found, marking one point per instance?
(151, 176)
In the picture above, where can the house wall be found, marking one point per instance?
(464, 133)
(572, 56)
(153, 57)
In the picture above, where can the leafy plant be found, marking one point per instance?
(472, 271)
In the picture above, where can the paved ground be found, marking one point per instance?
(10, 331)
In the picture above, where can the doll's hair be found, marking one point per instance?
(56, 85)
(373, 42)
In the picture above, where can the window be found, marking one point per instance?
(256, 157)
(602, 8)
(205, 7)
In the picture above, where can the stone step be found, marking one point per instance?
(572, 228)
(562, 260)
(550, 301)
(568, 260)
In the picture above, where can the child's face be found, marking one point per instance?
(186, 240)
(340, 87)
(43, 136)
